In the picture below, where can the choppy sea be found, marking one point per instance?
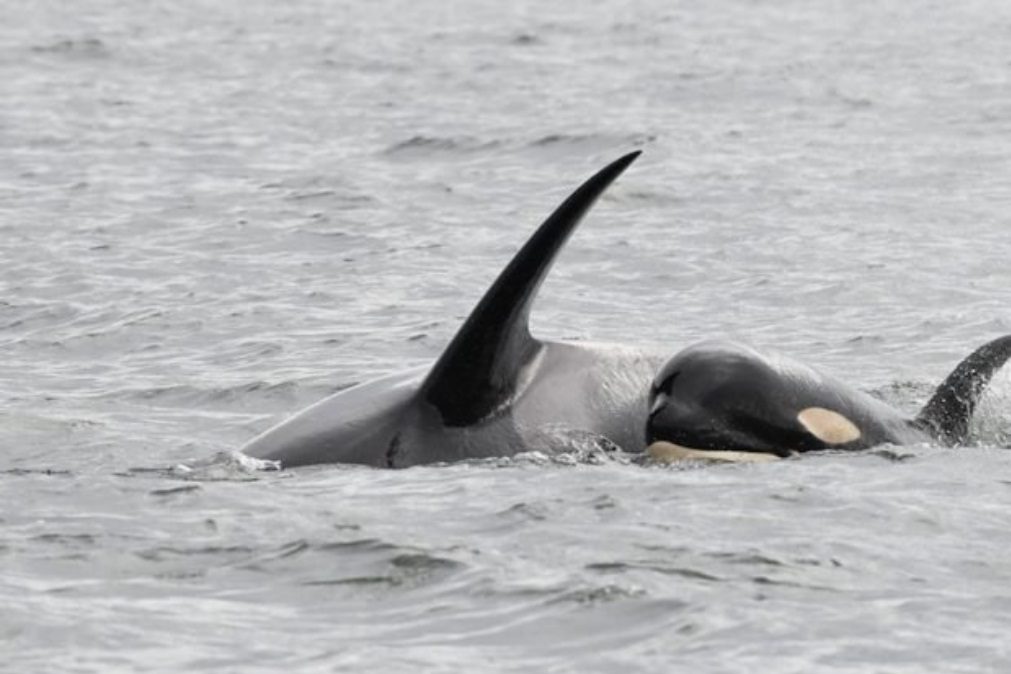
(213, 213)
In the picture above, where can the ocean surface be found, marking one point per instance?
(214, 213)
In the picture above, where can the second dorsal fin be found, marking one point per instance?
(479, 369)
(948, 413)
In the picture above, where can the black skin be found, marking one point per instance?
(726, 397)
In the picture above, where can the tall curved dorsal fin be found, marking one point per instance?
(949, 411)
(478, 371)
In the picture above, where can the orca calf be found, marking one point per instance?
(726, 402)
(494, 391)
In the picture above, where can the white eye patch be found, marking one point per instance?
(830, 427)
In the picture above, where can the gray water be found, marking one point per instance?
(215, 213)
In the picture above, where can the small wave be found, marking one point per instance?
(423, 563)
(526, 40)
(359, 545)
(30, 316)
(777, 582)
(658, 567)
(249, 394)
(535, 512)
(591, 456)
(311, 195)
(595, 141)
(48, 472)
(375, 562)
(892, 454)
(357, 558)
(357, 580)
(749, 559)
(603, 594)
(175, 491)
(427, 145)
(66, 540)
(89, 47)
(224, 466)
(167, 552)
(330, 200)
(292, 548)
(556, 139)
(562, 446)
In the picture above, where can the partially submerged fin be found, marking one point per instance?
(947, 414)
(479, 369)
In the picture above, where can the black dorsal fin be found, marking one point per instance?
(479, 369)
(949, 411)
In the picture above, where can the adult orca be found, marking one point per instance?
(494, 391)
(724, 401)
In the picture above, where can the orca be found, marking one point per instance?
(723, 401)
(495, 391)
